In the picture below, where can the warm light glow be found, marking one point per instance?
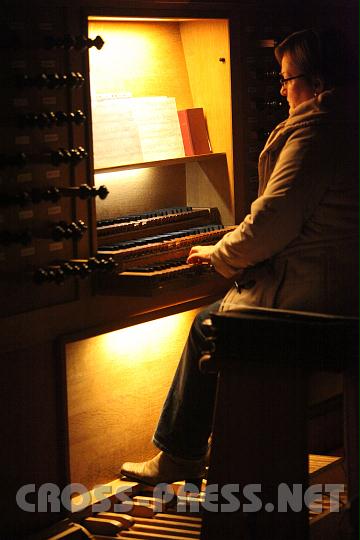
(133, 56)
(96, 18)
(117, 176)
(140, 343)
(116, 386)
(123, 53)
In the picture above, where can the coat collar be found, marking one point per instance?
(336, 106)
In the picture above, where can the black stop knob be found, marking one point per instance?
(59, 276)
(57, 233)
(79, 117)
(40, 276)
(52, 194)
(102, 192)
(61, 117)
(84, 191)
(74, 79)
(22, 198)
(67, 268)
(54, 81)
(98, 42)
(93, 263)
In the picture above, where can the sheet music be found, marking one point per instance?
(116, 136)
(132, 130)
(159, 128)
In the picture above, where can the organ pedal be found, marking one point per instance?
(148, 518)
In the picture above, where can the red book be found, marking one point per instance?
(194, 131)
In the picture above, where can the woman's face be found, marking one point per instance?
(297, 90)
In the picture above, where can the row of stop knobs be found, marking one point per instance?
(69, 42)
(59, 272)
(52, 194)
(51, 118)
(71, 156)
(11, 40)
(57, 231)
(73, 79)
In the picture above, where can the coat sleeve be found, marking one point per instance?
(295, 187)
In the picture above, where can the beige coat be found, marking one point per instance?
(297, 249)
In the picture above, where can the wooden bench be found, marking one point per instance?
(264, 358)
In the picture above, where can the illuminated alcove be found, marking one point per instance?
(116, 385)
(184, 59)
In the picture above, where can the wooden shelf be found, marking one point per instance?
(161, 163)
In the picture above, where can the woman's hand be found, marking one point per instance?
(200, 255)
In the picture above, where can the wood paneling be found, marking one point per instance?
(141, 190)
(205, 42)
(31, 433)
(140, 58)
(116, 385)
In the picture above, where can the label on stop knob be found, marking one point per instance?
(54, 210)
(20, 102)
(48, 63)
(26, 214)
(24, 177)
(22, 139)
(27, 252)
(51, 137)
(56, 246)
(53, 174)
(18, 64)
(49, 100)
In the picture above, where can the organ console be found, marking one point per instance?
(151, 249)
(97, 298)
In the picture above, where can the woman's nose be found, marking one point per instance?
(283, 90)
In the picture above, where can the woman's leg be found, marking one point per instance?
(186, 419)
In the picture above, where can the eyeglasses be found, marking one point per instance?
(283, 81)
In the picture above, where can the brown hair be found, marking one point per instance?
(319, 54)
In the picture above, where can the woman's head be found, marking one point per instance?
(312, 62)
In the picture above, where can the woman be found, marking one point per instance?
(297, 249)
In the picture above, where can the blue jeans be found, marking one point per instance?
(186, 420)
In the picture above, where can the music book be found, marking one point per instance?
(194, 131)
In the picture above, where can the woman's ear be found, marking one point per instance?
(318, 85)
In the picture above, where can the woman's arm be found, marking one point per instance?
(297, 184)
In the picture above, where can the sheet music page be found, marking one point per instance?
(159, 128)
(116, 137)
(132, 130)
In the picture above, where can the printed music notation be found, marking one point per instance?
(130, 130)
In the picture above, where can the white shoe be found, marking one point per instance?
(165, 468)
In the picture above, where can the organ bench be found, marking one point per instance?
(264, 358)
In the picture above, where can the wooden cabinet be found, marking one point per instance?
(186, 59)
